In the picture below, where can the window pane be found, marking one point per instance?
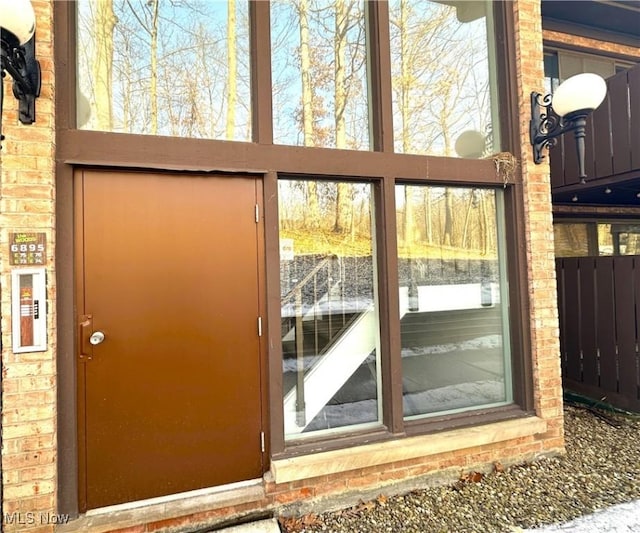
(329, 306)
(619, 239)
(572, 240)
(159, 67)
(453, 299)
(444, 76)
(319, 64)
(571, 64)
(551, 72)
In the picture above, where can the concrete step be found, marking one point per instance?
(269, 525)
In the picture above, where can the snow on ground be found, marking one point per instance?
(621, 518)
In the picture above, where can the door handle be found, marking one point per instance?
(84, 327)
(96, 338)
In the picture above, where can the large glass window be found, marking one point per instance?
(453, 299)
(319, 64)
(183, 68)
(329, 306)
(453, 295)
(157, 67)
(443, 67)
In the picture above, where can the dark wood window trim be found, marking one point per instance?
(554, 47)
(414, 428)
(260, 42)
(102, 149)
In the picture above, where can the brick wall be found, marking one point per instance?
(539, 229)
(586, 44)
(28, 379)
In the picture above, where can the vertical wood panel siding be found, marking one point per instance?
(599, 305)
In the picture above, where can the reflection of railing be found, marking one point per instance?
(305, 303)
(338, 362)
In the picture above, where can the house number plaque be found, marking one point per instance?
(27, 248)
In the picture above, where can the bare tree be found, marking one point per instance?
(232, 85)
(305, 71)
(447, 239)
(139, 66)
(104, 21)
(437, 71)
(344, 199)
(307, 106)
(153, 85)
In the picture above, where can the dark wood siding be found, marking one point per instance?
(599, 306)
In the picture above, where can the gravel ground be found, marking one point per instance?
(601, 468)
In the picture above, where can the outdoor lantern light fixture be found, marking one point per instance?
(471, 144)
(573, 101)
(17, 39)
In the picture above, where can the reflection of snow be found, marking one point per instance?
(450, 297)
(477, 343)
(471, 394)
(291, 364)
(326, 307)
(430, 298)
(440, 400)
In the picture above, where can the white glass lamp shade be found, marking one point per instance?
(18, 18)
(582, 91)
(470, 144)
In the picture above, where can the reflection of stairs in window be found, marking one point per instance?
(329, 371)
(329, 327)
(334, 345)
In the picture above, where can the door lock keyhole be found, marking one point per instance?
(96, 337)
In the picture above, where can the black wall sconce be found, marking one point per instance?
(573, 101)
(17, 56)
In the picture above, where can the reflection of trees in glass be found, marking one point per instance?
(440, 71)
(166, 67)
(320, 94)
(319, 73)
(318, 234)
(456, 221)
(462, 219)
(102, 61)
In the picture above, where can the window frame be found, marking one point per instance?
(384, 168)
(501, 263)
(619, 62)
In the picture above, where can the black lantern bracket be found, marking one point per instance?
(21, 64)
(546, 126)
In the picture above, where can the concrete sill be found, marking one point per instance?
(336, 461)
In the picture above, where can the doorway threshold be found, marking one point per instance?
(174, 506)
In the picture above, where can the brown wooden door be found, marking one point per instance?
(168, 268)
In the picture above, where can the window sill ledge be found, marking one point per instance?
(336, 461)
